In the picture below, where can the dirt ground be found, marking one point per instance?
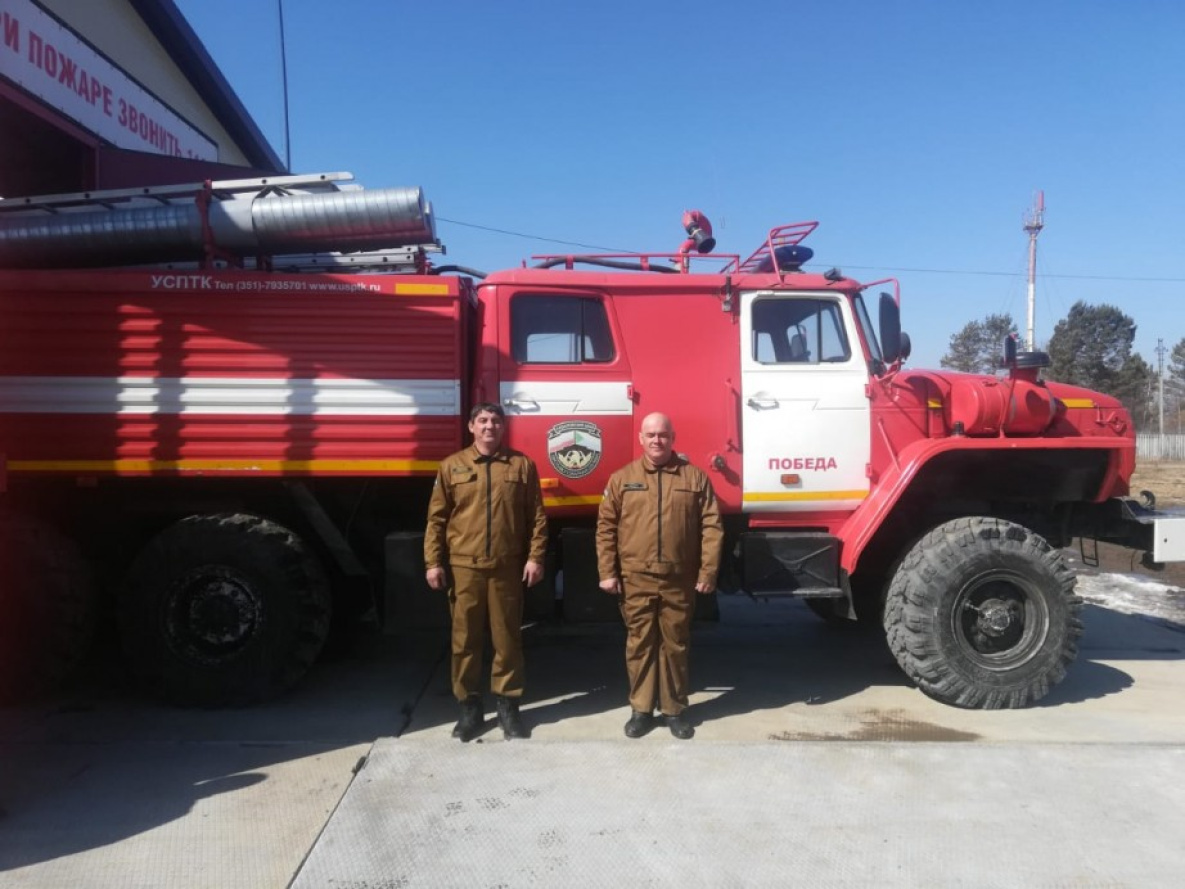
(1166, 480)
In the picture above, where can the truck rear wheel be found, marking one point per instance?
(47, 607)
(981, 613)
(223, 610)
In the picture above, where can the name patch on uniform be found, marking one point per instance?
(574, 447)
(634, 486)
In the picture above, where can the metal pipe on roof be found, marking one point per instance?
(270, 225)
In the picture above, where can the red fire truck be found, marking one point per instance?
(223, 405)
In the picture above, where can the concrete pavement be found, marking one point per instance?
(730, 813)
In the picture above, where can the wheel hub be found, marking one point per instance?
(995, 617)
(212, 613)
(219, 612)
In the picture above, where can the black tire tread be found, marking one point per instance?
(912, 614)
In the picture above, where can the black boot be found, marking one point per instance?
(639, 724)
(469, 725)
(509, 719)
(680, 727)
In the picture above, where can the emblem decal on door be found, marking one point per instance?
(574, 447)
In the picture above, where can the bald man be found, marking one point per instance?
(659, 538)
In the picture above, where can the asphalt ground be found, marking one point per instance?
(814, 763)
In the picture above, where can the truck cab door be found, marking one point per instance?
(565, 384)
(804, 408)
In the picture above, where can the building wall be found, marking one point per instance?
(114, 28)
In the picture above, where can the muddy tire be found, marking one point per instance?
(223, 610)
(47, 607)
(981, 613)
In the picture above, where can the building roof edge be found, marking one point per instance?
(179, 39)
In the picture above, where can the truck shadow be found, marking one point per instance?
(1110, 635)
(768, 655)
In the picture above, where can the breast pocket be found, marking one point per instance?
(638, 514)
(512, 490)
(685, 510)
(465, 488)
(633, 500)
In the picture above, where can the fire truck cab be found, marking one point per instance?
(934, 503)
(778, 361)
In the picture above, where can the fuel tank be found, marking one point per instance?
(980, 405)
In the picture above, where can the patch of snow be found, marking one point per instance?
(1134, 594)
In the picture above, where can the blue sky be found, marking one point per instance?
(917, 132)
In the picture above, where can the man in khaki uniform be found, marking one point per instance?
(659, 538)
(486, 523)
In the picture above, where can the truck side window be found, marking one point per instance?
(798, 331)
(560, 330)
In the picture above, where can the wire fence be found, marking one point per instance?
(1154, 446)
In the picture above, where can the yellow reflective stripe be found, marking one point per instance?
(934, 403)
(1078, 402)
(798, 496)
(423, 466)
(584, 500)
(423, 289)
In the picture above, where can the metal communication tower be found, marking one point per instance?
(1033, 225)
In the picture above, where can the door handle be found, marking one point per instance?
(762, 404)
(522, 404)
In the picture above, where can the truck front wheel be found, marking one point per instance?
(223, 610)
(981, 613)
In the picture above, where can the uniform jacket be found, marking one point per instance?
(660, 521)
(486, 512)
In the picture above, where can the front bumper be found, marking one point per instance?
(1161, 533)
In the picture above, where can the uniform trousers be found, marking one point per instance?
(657, 610)
(480, 598)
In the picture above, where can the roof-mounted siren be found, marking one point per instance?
(789, 257)
(699, 236)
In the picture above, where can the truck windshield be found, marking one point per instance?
(866, 328)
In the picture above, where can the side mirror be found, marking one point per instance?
(890, 328)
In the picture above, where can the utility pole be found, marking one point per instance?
(1033, 225)
(1160, 350)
